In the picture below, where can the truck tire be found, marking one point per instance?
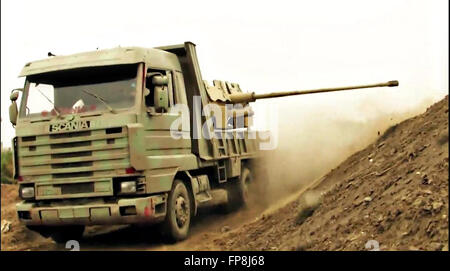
(238, 191)
(179, 210)
(65, 233)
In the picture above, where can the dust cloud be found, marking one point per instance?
(314, 140)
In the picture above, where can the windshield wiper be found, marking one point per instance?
(58, 114)
(101, 100)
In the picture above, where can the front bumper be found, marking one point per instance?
(148, 210)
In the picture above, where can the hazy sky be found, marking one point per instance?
(262, 45)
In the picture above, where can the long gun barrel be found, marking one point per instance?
(251, 97)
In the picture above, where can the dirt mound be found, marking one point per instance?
(393, 195)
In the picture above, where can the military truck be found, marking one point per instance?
(102, 138)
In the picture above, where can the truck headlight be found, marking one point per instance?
(128, 187)
(27, 192)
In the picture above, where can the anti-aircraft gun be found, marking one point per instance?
(98, 141)
(228, 93)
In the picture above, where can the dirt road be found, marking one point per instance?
(209, 225)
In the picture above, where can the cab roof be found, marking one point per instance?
(153, 57)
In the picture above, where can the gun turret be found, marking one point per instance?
(241, 97)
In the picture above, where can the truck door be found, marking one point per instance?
(157, 121)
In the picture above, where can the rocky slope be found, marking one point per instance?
(393, 195)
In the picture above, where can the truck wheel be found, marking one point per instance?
(179, 210)
(65, 233)
(238, 191)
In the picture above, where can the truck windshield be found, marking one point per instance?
(106, 88)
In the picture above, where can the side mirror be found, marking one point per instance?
(161, 99)
(14, 95)
(13, 112)
(161, 93)
(160, 80)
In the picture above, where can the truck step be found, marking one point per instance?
(203, 197)
(218, 196)
(221, 171)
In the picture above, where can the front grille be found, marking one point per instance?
(96, 153)
(70, 145)
(71, 154)
(28, 138)
(117, 130)
(75, 164)
(69, 135)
